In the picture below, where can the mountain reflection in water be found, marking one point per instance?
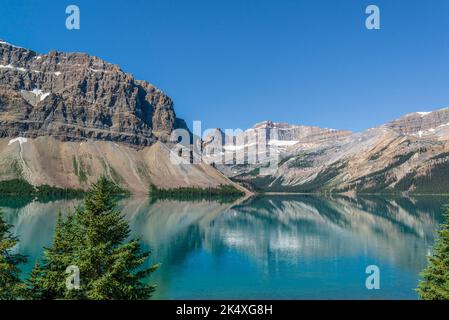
(271, 247)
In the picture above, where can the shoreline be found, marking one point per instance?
(346, 194)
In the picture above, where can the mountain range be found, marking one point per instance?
(409, 154)
(67, 118)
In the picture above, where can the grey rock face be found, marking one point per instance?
(420, 121)
(267, 137)
(410, 154)
(300, 134)
(74, 96)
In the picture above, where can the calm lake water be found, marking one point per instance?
(274, 247)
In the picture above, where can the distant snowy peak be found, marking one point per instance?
(3, 42)
(424, 113)
(268, 124)
(284, 135)
(420, 123)
(273, 125)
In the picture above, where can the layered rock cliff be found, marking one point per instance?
(420, 122)
(410, 154)
(68, 118)
(74, 97)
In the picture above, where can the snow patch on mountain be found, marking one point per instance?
(9, 44)
(283, 143)
(39, 93)
(9, 66)
(20, 140)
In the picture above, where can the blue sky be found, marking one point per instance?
(232, 63)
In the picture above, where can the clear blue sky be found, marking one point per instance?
(232, 63)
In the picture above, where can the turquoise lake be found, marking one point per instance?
(271, 247)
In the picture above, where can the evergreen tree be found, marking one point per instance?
(93, 238)
(11, 287)
(33, 287)
(435, 278)
(62, 254)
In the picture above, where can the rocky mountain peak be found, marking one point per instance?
(416, 122)
(268, 124)
(75, 96)
(296, 133)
